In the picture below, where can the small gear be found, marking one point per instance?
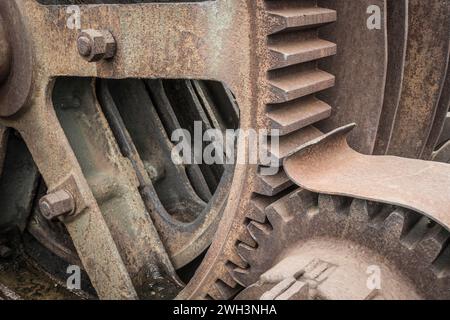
(325, 247)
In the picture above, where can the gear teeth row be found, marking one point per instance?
(293, 78)
(416, 233)
(385, 227)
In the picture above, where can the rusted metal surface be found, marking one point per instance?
(89, 231)
(185, 222)
(198, 46)
(328, 165)
(360, 67)
(140, 27)
(424, 78)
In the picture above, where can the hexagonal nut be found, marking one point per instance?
(95, 45)
(57, 204)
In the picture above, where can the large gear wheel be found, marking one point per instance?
(301, 35)
(332, 243)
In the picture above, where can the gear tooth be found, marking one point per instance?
(359, 210)
(246, 253)
(442, 264)
(258, 205)
(286, 18)
(416, 233)
(432, 244)
(273, 184)
(394, 224)
(246, 238)
(224, 290)
(235, 259)
(215, 293)
(378, 215)
(227, 277)
(301, 200)
(297, 114)
(326, 203)
(258, 231)
(334, 204)
(244, 277)
(278, 215)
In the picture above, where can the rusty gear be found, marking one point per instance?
(330, 242)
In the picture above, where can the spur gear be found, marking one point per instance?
(325, 247)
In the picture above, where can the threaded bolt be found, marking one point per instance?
(57, 204)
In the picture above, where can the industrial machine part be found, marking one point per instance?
(90, 106)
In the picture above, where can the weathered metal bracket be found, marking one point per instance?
(328, 165)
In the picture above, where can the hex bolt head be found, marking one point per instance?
(57, 204)
(95, 45)
(84, 46)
